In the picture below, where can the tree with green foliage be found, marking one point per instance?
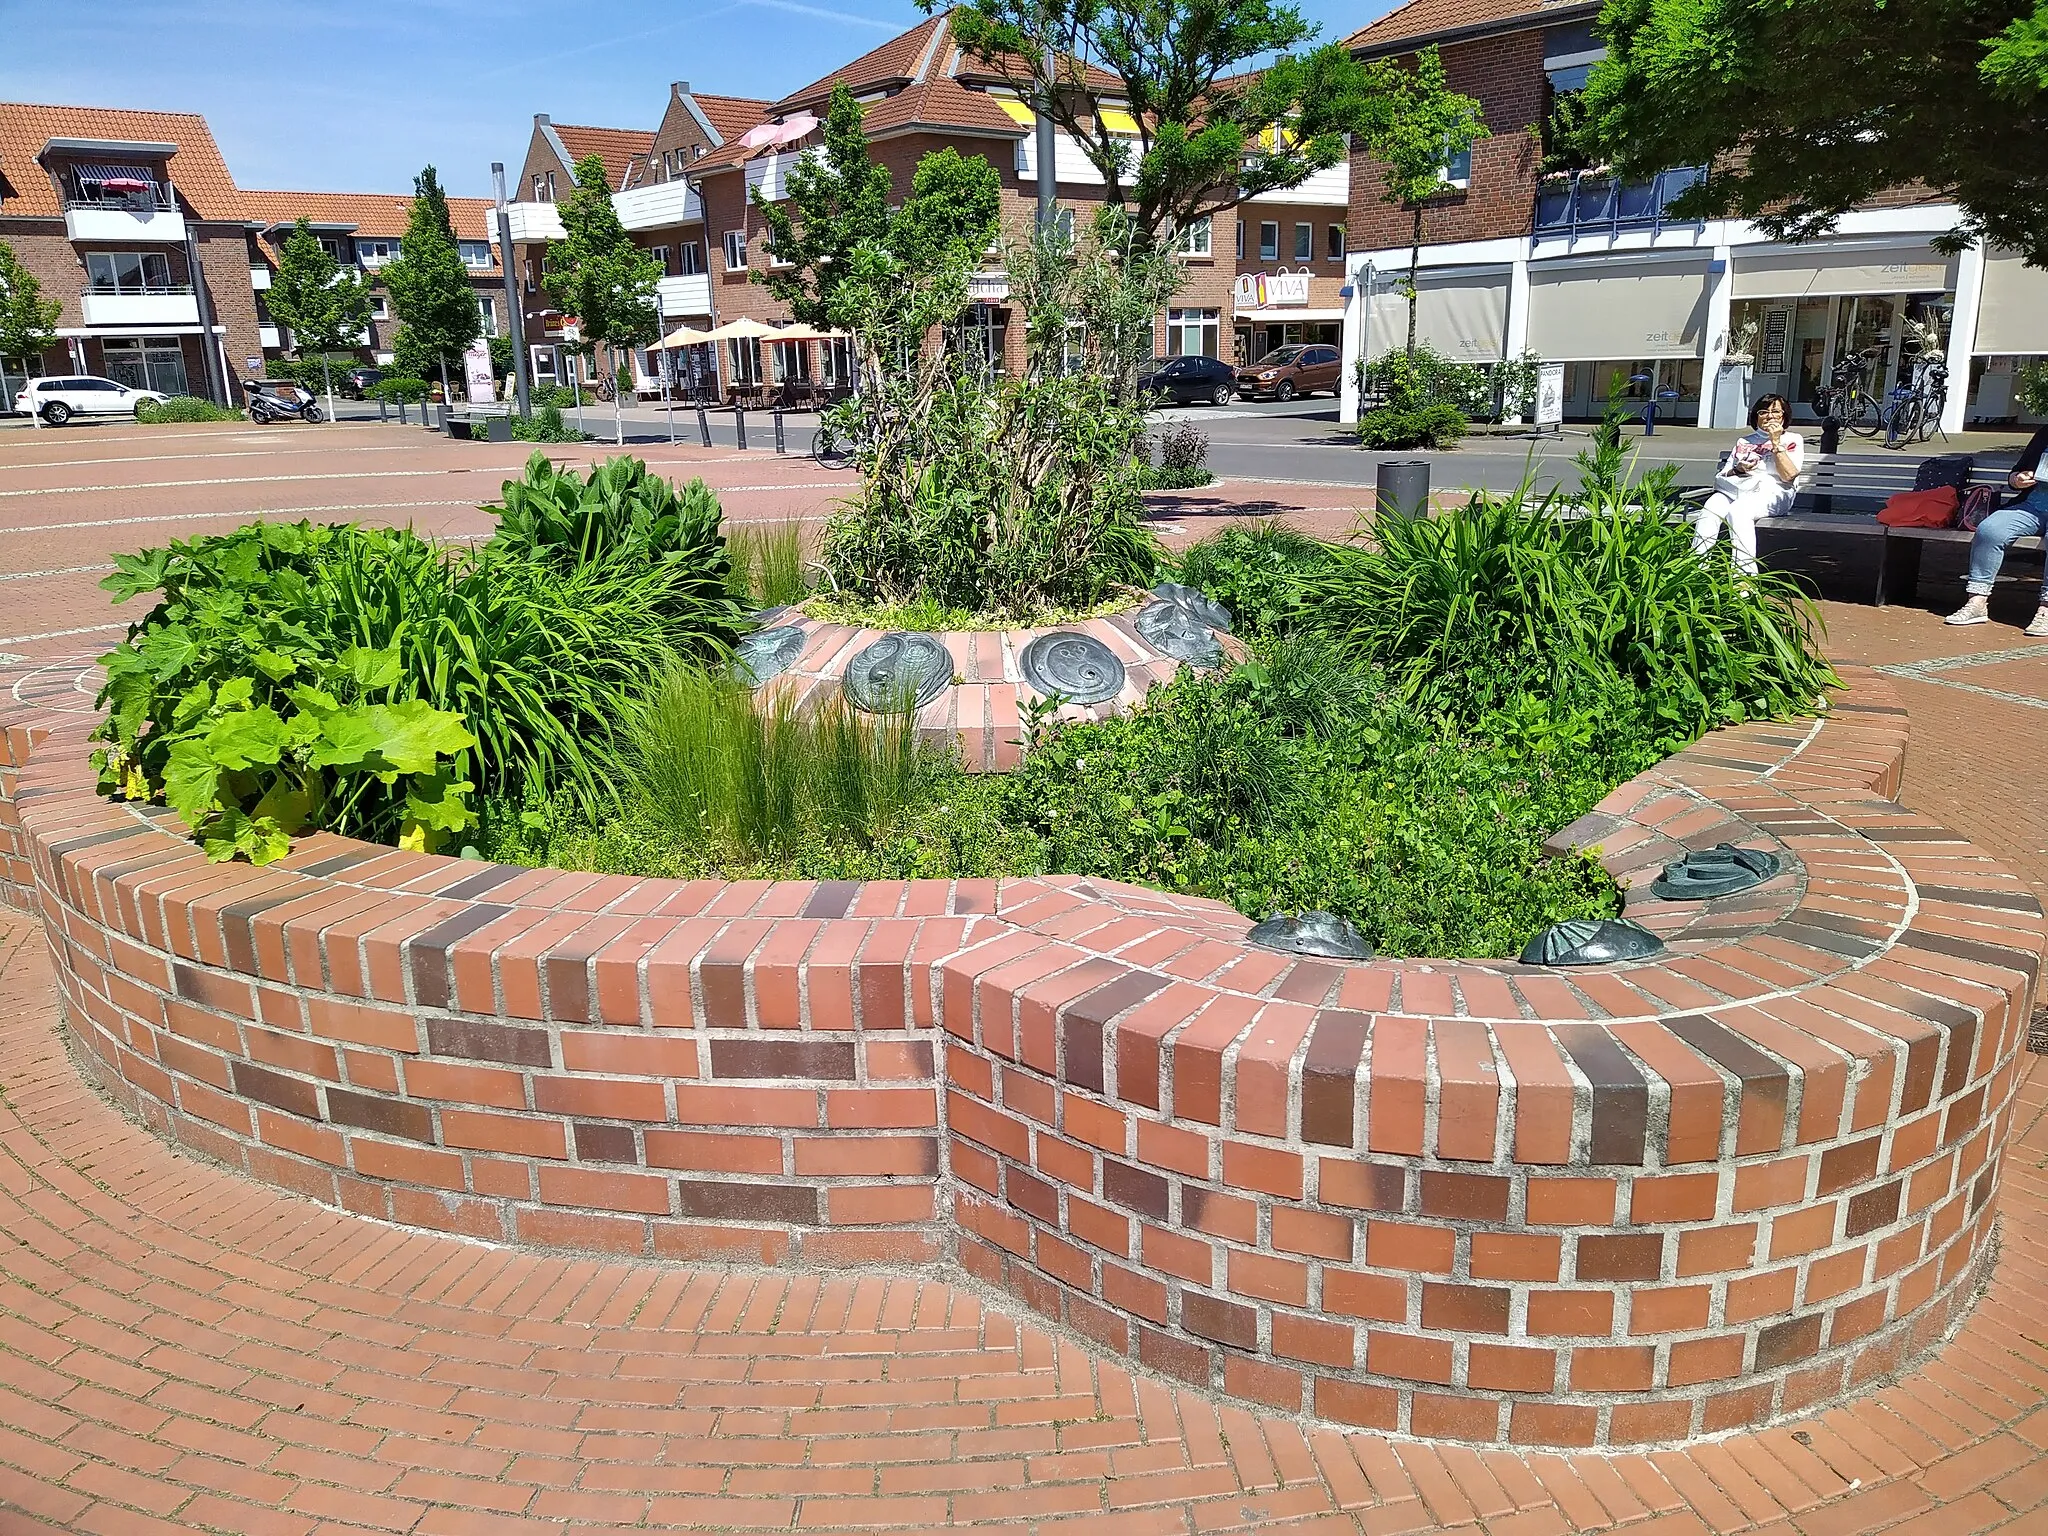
(1805, 109)
(838, 200)
(1207, 82)
(596, 273)
(324, 305)
(28, 321)
(430, 288)
(1428, 126)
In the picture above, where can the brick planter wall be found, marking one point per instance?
(1470, 1200)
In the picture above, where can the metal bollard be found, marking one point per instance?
(383, 412)
(703, 424)
(739, 426)
(780, 445)
(1830, 444)
(401, 410)
(1403, 489)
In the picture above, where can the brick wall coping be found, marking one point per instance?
(980, 712)
(1468, 1200)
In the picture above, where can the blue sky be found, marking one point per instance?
(357, 95)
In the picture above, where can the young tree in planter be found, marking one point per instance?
(28, 321)
(837, 200)
(324, 306)
(1831, 102)
(1430, 124)
(596, 273)
(1207, 80)
(430, 288)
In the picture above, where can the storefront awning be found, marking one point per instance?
(1618, 312)
(1817, 272)
(1461, 315)
(2012, 317)
(1277, 316)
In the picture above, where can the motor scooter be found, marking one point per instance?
(280, 400)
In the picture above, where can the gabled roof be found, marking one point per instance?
(730, 116)
(616, 147)
(904, 58)
(1420, 22)
(380, 214)
(196, 170)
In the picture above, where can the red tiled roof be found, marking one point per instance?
(1422, 21)
(731, 116)
(896, 62)
(616, 147)
(372, 213)
(197, 170)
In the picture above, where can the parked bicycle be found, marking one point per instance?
(1848, 398)
(1913, 413)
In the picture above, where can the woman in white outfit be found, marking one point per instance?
(1756, 480)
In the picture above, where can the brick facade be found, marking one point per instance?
(1470, 1201)
(1505, 75)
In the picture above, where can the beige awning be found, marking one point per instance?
(2012, 317)
(1618, 312)
(1462, 315)
(681, 336)
(1816, 272)
(801, 332)
(741, 329)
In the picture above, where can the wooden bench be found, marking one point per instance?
(1841, 494)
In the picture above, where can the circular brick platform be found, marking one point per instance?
(1468, 1200)
(980, 710)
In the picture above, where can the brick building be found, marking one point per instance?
(132, 222)
(365, 229)
(1595, 273)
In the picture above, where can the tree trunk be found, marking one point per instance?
(1414, 266)
(620, 373)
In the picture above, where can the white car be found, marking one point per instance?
(58, 400)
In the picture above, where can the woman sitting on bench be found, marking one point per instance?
(2024, 519)
(1756, 480)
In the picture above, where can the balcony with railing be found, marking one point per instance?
(1589, 203)
(119, 202)
(131, 304)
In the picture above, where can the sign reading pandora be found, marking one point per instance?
(1259, 290)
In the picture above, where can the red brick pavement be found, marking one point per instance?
(182, 1350)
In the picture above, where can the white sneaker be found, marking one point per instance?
(1977, 610)
(2038, 630)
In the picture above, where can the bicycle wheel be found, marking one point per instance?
(828, 448)
(1930, 414)
(1861, 415)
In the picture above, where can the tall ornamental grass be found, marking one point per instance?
(767, 564)
(761, 775)
(1515, 592)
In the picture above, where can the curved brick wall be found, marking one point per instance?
(980, 713)
(1464, 1200)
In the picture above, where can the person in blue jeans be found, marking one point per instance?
(2025, 518)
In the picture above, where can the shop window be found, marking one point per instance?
(146, 362)
(744, 353)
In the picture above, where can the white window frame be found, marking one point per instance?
(689, 259)
(660, 254)
(488, 313)
(1304, 242)
(380, 307)
(1269, 250)
(1197, 239)
(735, 249)
(1456, 170)
(1205, 324)
(475, 253)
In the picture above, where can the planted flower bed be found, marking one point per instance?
(1398, 727)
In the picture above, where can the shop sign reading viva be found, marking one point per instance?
(1262, 290)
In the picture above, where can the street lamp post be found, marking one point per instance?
(512, 314)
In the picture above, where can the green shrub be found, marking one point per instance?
(397, 388)
(560, 396)
(1183, 461)
(767, 564)
(1426, 398)
(545, 426)
(1469, 608)
(1254, 570)
(623, 513)
(1389, 427)
(184, 408)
